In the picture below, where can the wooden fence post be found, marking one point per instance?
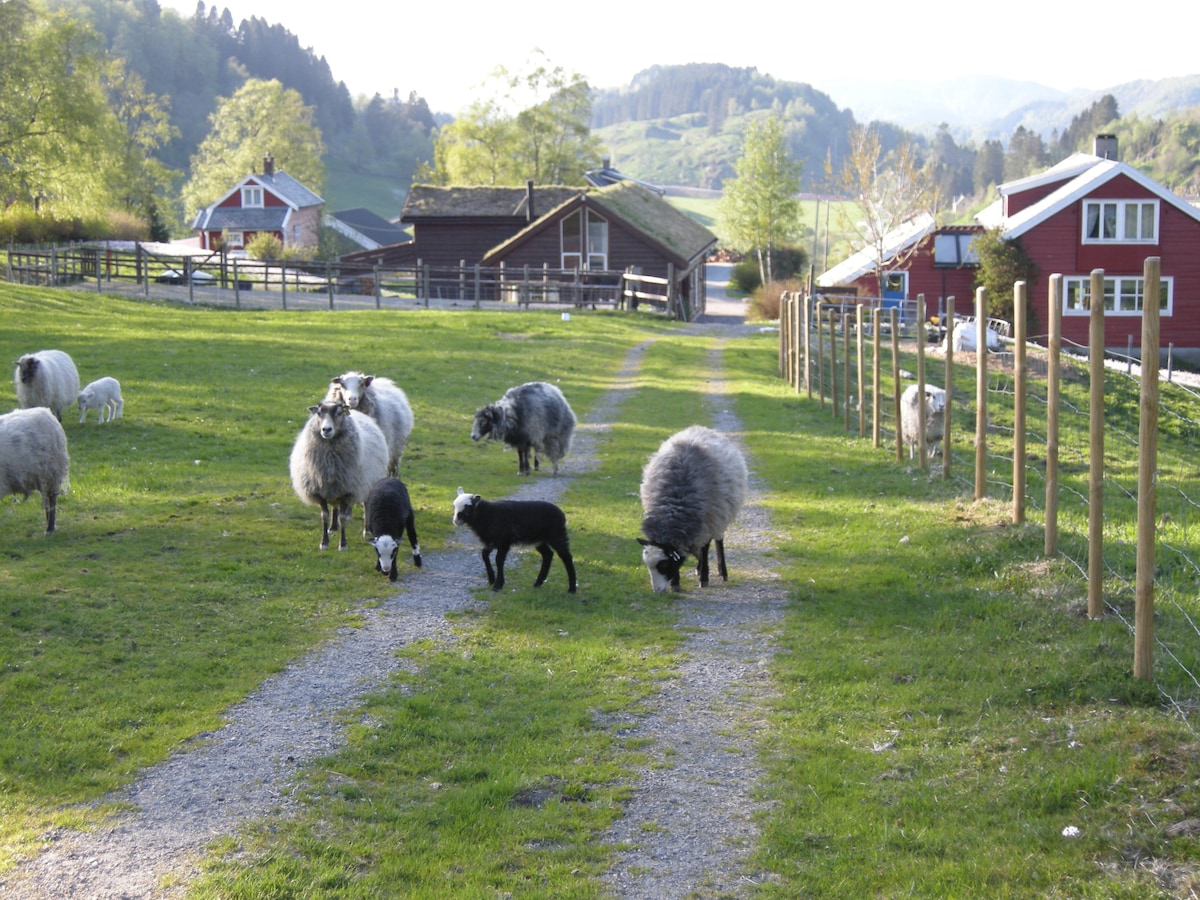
(1096, 446)
(859, 318)
(876, 382)
(922, 399)
(821, 354)
(833, 366)
(1053, 391)
(894, 327)
(847, 394)
(1019, 395)
(1143, 616)
(806, 337)
(949, 388)
(377, 286)
(981, 389)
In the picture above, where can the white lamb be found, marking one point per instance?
(104, 396)
(935, 419)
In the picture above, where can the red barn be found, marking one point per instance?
(1092, 211)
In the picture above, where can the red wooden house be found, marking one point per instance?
(1092, 211)
(272, 202)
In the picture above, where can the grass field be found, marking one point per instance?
(943, 711)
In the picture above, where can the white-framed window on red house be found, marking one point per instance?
(235, 239)
(584, 240)
(1123, 295)
(252, 196)
(1120, 221)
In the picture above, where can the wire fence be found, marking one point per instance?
(1117, 495)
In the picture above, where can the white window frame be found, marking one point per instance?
(593, 242)
(252, 197)
(235, 239)
(1121, 221)
(1122, 295)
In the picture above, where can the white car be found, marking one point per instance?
(174, 276)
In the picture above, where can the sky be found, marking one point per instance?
(447, 59)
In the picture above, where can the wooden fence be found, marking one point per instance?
(823, 352)
(228, 280)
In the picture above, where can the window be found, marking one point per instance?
(1120, 221)
(235, 239)
(575, 255)
(895, 284)
(252, 196)
(1122, 296)
(954, 250)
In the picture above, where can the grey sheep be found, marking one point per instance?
(33, 457)
(337, 456)
(104, 396)
(532, 416)
(388, 515)
(693, 487)
(502, 524)
(384, 401)
(935, 419)
(47, 378)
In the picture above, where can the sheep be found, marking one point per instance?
(387, 514)
(384, 401)
(104, 396)
(337, 456)
(534, 415)
(47, 378)
(33, 457)
(693, 487)
(935, 419)
(502, 523)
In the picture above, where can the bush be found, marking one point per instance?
(744, 277)
(264, 246)
(764, 302)
(22, 224)
(786, 263)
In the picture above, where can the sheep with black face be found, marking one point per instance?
(693, 487)
(502, 524)
(532, 416)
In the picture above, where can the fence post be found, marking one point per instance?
(949, 388)
(806, 337)
(237, 286)
(859, 320)
(833, 366)
(99, 278)
(876, 383)
(426, 289)
(785, 318)
(378, 289)
(329, 281)
(1143, 616)
(1019, 392)
(922, 397)
(821, 354)
(981, 389)
(1096, 445)
(846, 371)
(1053, 389)
(525, 284)
(894, 328)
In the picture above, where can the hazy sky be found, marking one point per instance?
(445, 53)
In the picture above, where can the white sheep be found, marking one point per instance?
(935, 419)
(33, 457)
(47, 378)
(531, 416)
(104, 396)
(384, 401)
(693, 487)
(337, 456)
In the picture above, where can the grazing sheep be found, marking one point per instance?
(692, 489)
(501, 524)
(382, 400)
(532, 415)
(104, 396)
(33, 457)
(338, 455)
(935, 419)
(47, 378)
(387, 514)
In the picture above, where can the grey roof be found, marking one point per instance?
(369, 225)
(427, 201)
(288, 188)
(235, 218)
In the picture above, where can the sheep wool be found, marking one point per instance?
(532, 416)
(388, 514)
(935, 419)
(104, 396)
(33, 457)
(384, 401)
(693, 488)
(337, 456)
(502, 524)
(47, 378)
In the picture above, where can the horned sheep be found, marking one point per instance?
(384, 401)
(46, 378)
(532, 416)
(104, 396)
(387, 515)
(33, 457)
(935, 419)
(337, 456)
(502, 524)
(693, 487)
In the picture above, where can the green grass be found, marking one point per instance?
(943, 711)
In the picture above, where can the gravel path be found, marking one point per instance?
(689, 822)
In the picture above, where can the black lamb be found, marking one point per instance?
(387, 515)
(502, 523)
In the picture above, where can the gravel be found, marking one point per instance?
(690, 821)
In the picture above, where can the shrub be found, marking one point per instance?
(744, 277)
(764, 302)
(786, 262)
(265, 246)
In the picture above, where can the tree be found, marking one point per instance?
(759, 208)
(1002, 263)
(547, 138)
(261, 117)
(890, 190)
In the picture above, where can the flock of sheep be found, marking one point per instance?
(349, 450)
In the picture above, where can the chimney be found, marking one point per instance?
(268, 164)
(529, 216)
(1105, 146)
(606, 162)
